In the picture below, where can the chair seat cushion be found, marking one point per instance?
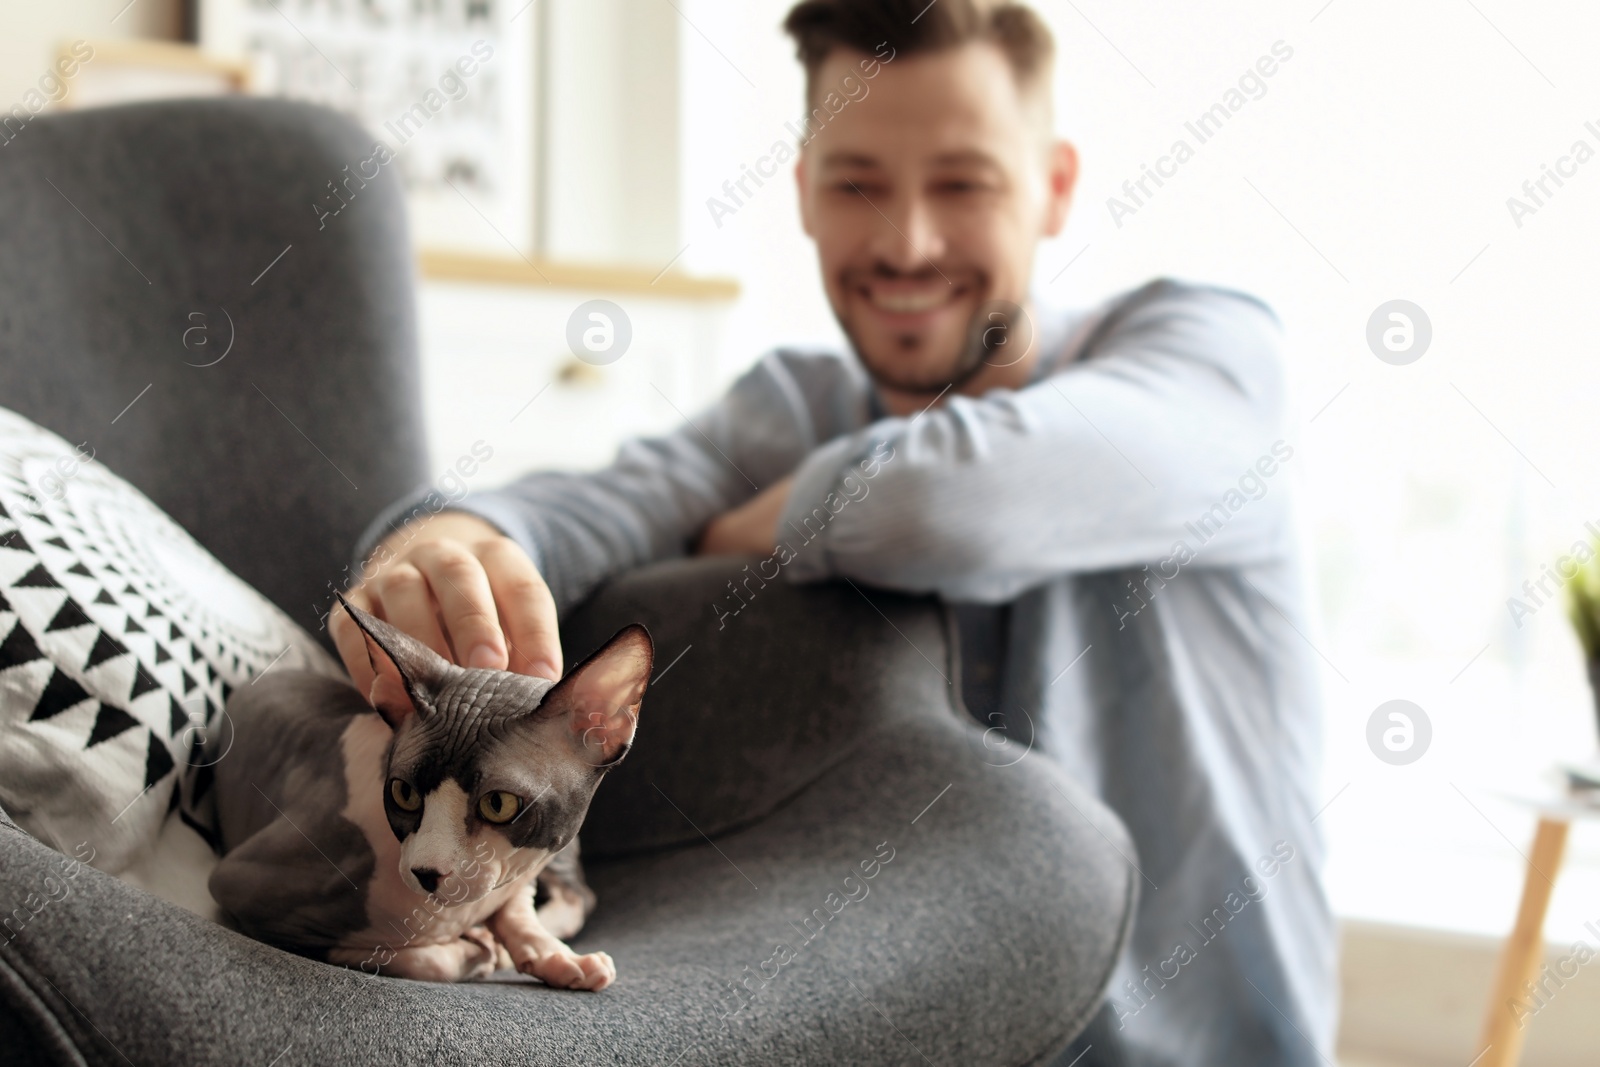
(986, 936)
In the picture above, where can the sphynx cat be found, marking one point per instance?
(402, 832)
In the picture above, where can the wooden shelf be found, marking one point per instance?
(211, 74)
(439, 265)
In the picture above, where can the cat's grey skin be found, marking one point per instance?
(286, 731)
(403, 834)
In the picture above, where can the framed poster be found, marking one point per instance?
(449, 86)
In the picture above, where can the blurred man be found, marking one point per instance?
(1093, 492)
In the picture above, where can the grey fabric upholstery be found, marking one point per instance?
(777, 701)
(815, 731)
(191, 202)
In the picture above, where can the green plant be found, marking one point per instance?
(1583, 605)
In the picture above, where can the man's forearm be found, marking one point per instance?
(1098, 467)
(651, 503)
(750, 528)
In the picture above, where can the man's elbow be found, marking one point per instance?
(910, 557)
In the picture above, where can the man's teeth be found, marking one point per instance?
(908, 303)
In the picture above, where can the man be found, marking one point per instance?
(1093, 492)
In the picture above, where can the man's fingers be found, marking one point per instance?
(527, 610)
(468, 592)
(459, 584)
(408, 604)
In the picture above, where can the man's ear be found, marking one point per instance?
(407, 674)
(600, 697)
(1061, 178)
(802, 186)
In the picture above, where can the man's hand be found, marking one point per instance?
(457, 584)
(750, 528)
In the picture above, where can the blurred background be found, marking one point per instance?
(1375, 164)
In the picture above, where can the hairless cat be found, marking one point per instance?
(403, 832)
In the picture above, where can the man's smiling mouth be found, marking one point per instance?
(910, 303)
(915, 299)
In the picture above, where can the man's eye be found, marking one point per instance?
(859, 189)
(499, 806)
(404, 795)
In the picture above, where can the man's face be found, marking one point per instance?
(926, 198)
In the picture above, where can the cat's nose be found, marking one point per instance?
(427, 878)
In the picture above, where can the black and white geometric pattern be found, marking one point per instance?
(120, 640)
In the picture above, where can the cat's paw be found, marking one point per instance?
(480, 954)
(502, 958)
(468, 958)
(559, 967)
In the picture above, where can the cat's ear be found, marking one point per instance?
(406, 673)
(600, 697)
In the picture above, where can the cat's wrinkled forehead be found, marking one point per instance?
(474, 709)
(433, 704)
(499, 693)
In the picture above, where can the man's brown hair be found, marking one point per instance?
(913, 26)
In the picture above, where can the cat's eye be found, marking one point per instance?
(499, 806)
(404, 795)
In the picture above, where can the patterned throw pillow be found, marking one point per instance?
(120, 640)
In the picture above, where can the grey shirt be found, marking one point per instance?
(1118, 533)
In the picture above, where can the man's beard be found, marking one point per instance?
(998, 334)
(948, 371)
(969, 360)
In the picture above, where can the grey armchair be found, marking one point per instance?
(817, 730)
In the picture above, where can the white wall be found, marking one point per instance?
(611, 134)
(1418, 999)
(740, 85)
(30, 32)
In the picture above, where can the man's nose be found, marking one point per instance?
(907, 237)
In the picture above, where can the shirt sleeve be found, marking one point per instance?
(581, 528)
(1161, 434)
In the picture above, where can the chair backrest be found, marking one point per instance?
(177, 295)
(750, 706)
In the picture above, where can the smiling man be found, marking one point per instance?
(928, 203)
(1092, 491)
